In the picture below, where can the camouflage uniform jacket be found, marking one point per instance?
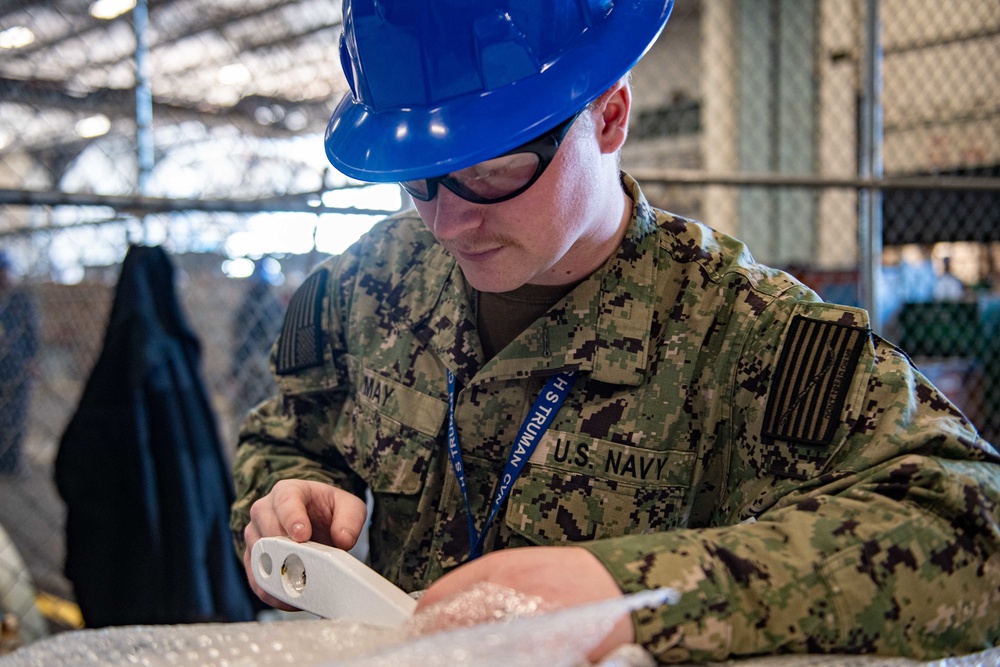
(729, 435)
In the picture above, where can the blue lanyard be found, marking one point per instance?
(535, 424)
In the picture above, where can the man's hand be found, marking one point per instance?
(561, 576)
(303, 511)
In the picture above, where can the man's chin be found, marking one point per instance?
(483, 281)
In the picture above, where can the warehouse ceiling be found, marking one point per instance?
(268, 67)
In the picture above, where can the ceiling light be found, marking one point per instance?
(110, 9)
(93, 126)
(234, 75)
(16, 37)
(263, 115)
(296, 120)
(241, 267)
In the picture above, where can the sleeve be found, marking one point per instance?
(296, 435)
(860, 513)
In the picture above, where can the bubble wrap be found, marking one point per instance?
(486, 626)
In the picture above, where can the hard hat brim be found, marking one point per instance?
(410, 143)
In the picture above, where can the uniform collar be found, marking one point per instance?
(617, 304)
(431, 300)
(602, 327)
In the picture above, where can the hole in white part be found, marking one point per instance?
(293, 575)
(265, 564)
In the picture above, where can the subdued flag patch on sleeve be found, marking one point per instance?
(811, 381)
(301, 343)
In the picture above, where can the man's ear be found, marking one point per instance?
(611, 113)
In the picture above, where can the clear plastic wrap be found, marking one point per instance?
(487, 626)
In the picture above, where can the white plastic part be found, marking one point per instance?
(328, 582)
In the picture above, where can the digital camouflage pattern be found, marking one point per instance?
(729, 435)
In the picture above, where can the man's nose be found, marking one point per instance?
(453, 215)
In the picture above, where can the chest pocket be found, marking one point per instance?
(576, 489)
(395, 429)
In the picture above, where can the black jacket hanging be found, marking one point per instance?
(142, 471)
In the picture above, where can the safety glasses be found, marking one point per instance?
(501, 178)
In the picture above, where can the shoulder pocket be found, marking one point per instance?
(814, 389)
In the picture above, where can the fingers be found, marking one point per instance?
(275, 513)
(303, 510)
(349, 516)
(289, 503)
(311, 510)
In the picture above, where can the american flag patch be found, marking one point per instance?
(812, 379)
(301, 343)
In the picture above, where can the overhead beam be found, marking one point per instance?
(140, 205)
(119, 103)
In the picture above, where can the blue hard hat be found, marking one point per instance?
(439, 85)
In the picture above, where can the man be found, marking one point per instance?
(539, 359)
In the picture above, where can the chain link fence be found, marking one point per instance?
(197, 126)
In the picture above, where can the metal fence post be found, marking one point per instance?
(870, 163)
